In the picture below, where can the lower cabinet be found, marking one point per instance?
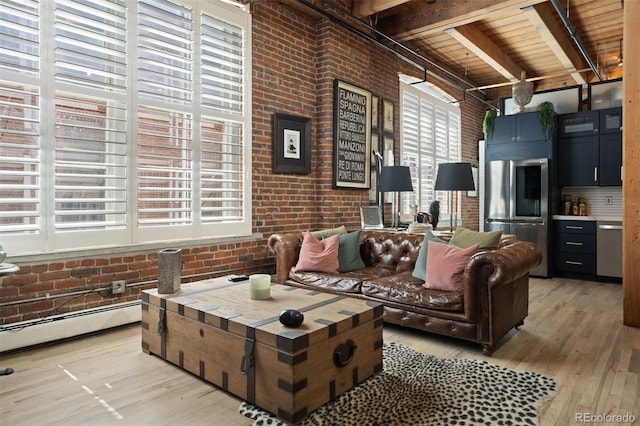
(575, 248)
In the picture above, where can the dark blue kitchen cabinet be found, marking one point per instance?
(590, 148)
(575, 124)
(504, 130)
(522, 127)
(610, 121)
(579, 158)
(610, 159)
(520, 137)
(575, 248)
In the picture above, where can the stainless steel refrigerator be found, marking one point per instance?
(517, 202)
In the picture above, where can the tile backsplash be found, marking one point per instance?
(596, 198)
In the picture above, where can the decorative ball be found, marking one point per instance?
(291, 318)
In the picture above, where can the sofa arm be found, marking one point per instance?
(287, 249)
(509, 262)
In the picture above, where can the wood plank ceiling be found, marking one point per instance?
(489, 43)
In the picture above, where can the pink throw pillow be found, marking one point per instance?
(318, 256)
(445, 266)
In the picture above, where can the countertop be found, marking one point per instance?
(591, 218)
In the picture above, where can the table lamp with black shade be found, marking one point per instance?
(454, 177)
(395, 179)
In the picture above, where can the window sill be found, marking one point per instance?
(129, 249)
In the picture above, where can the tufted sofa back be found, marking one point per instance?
(390, 250)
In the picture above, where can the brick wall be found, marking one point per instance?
(295, 62)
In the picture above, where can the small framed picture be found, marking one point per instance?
(388, 150)
(291, 144)
(389, 159)
(373, 191)
(371, 217)
(375, 142)
(374, 112)
(474, 173)
(387, 116)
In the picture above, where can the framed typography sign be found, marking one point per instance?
(351, 136)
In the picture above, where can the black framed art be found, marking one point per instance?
(375, 147)
(351, 136)
(387, 116)
(374, 112)
(291, 144)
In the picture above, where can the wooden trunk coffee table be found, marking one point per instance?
(214, 330)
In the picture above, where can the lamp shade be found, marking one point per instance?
(395, 179)
(454, 177)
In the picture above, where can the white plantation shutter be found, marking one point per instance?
(411, 147)
(87, 162)
(430, 131)
(453, 136)
(223, 66)
(165, 83)
(20, 164)
(165, 51)
(223, 105)
(90, 44)
(20, 38)
(20, 160)
(164, 168)
(90, 75)
(222, 171)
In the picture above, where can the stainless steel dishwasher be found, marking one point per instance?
(609, 252)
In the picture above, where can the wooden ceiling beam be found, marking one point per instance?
(543, 18)
(363, 8)
(436, 17)
(480, 45)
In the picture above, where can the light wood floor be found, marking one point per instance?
(574, 333)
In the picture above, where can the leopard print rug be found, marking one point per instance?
(420, 389)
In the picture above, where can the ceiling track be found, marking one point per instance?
(576, 39)
(424, 68)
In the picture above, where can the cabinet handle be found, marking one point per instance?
(595, 131)
(595, 174)
(513, 138)
(518, 138)
(572, 243)
(574, 227)
(571, 262)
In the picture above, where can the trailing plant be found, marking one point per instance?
(546, 116)
(489, 122)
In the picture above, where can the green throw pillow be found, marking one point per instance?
(420, 269)
(464, 238)
(349, 252)
(324, 233)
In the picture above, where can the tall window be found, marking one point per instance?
(123, 122)
(430, 135)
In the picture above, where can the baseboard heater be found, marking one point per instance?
(56, 327)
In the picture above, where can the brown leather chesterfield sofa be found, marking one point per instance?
(495, 296)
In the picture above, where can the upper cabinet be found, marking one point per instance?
(589, 123)
(523, 127)
(590, 148)
(520, 137)
(610, 121)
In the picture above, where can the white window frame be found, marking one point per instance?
(50, 240)
(424, 167)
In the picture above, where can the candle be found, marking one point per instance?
(260, 286)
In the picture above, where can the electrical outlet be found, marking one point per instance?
(117, 287)
(608, 200)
